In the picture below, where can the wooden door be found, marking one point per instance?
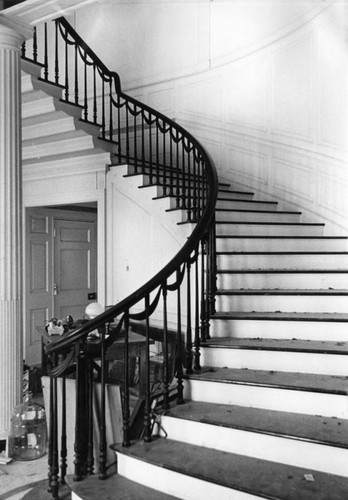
(75, 280)
(61, 276)
(39, 280)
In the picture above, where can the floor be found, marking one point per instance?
(16, 476)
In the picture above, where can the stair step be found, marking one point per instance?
(283, 260)
(314, 442)
(295, 355)
(241, 204)
(331, 301)
(310, 326)
(280, 244)
(115, 487)
(235, 194)
(236, 215)
(283, 278)
(247, 228)
(307, 393)
(208, 473)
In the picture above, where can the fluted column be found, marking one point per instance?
(11, 342)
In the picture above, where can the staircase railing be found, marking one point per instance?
(170, 157)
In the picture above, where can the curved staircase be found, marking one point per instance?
(267, 414)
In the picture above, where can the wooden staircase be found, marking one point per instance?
(267, 415)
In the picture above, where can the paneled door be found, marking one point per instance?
(61, 264)
(75, 282)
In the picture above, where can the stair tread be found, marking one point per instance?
(255, 476)
(270, 212)
(289, 345)
(238, 200)
(115, 487)
(280, 252)
(281, 271)
(274, 237)
(281, 316)
(281, 291)
(313, 428)
(315, 224)
(328, 384)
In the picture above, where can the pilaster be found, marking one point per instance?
(11, 342)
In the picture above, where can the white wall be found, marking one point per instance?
(261, 83)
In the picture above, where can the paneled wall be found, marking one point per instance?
(263, 85)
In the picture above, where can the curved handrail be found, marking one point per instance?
(211, 184)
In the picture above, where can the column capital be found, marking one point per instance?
(13, 32)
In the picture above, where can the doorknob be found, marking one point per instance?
(55, 289)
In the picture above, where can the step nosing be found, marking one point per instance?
(255, 383)
(268, 432)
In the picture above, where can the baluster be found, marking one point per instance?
(164, 160)
(66, 67)
(86, 89)
(213, 270)
(89, 414)
(165, 349)
(197, 353)
(135, 140)
(182, 188)
(50, 431)
(56, 54)
(76, 76)
(111, 124)
(150, 149)
(127, 132)
(80, 424)
(54, 480)
(179, 360)
(143, 139)
(35, 44)
(95, 96)
(171, 164)
(102, 449)
(103, 110)
(63, 449)
(203, 303)
(45, 53)
(207, 286)
(119, 128)
(189, 187)
(126, 411)
(157, 153)
(147, 416)
(189, 370)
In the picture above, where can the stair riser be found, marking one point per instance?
(283, 261)
(48, 128)
(290, 303)
(58, 147)
(299, 362)
(238, 204)
(287, 400)
(237, 216)
(174, 483)
(235, 195)
(303, 281)
(279, 449)
(303, 330)
(31, 109)
(279, 245)
(268, 230)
